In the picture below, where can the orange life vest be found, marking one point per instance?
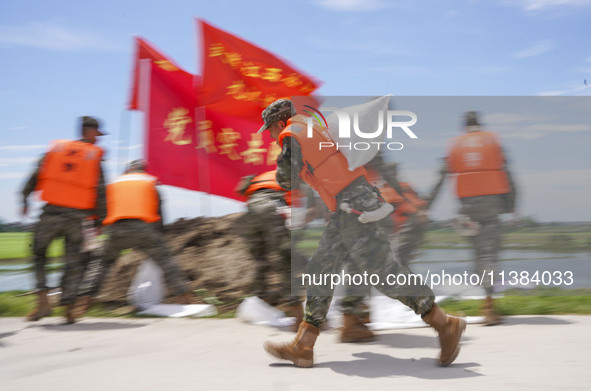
(478, 160)
(406, 204)
(325, 170)
(132, 196)
(266, 180)
(69, 174)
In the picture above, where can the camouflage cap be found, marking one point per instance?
(138, 165)
(276, 111)
(472, 118)
(91, 122)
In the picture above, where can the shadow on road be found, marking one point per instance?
(533, 320)
(95, 326)
(374, 365)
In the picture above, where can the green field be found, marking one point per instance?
(556, 239)
(17, 245)
(533, 302)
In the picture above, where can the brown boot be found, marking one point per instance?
(82, 305)
(491, 318)
(300, 350)
(296, 311)
(450, 329)
(354, 330)
(69, 315)
(43, 307)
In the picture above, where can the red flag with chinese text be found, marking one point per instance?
(241, 79)
(231, 148)
(171, 137)
(196, 148)
(146, 51)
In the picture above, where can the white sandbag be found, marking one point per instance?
(181, 310)
(147, 288)
(366, 116)
(256, 311)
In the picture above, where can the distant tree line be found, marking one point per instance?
(13, 227)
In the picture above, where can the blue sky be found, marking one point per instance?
(63, 59)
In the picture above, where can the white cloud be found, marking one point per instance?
(539, 48)
(552, 93)
(51, 36)
(575, 177)
(12, 175)
(536, 5)
(22, 147)
(353, 5)
(17, 161)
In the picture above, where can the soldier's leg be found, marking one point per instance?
(371, 253)
(258, 249)
(154, 245)
(99, 267)
(46, 230)
(486, 245)
(410, 237)
(327, 260)
(44, 234)
(74, 269)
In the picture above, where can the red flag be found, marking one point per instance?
(145, 51)
(231, 148)
(241, 79)
(171, 137)
(200, 149)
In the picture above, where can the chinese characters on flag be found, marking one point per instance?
(201, 133)
(199, 149)
(171, 137)
(242, 79)
(145, 51)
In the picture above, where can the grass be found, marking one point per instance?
(17, 245)
(542, 301)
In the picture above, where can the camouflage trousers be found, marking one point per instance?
(51, 226)
(266, 233)
(133, 233)
(408, 239)
(485, 210)
(366, 247)
(403, 243)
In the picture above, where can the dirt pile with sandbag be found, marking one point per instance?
(213, 253)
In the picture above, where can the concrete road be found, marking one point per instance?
(527, 352)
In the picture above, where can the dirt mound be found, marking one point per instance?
(210, 250)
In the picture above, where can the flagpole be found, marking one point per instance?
(144, 100)
(124, 139)
(204, 174)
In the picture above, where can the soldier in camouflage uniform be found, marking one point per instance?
(482, 202)
(409, 220)
(361, 239)
(58, 220)
(133, 226)
(266, 232)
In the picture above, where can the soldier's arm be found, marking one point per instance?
(386, 171)
(442, 174)
(512, 189)
(289, 164)
(101, 199)
(161, 222)
(30, 186)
